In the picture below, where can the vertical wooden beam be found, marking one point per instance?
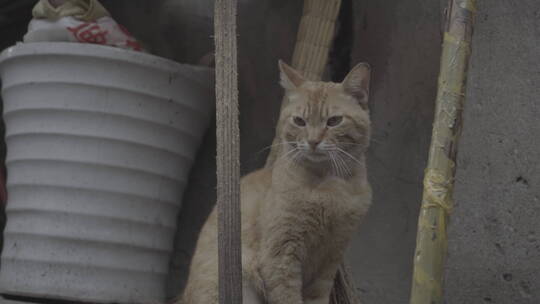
(431, 242)
(228, 153)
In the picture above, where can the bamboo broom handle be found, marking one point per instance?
(431, 242)
(228, 154)
(313, 42)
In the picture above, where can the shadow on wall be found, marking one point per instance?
(182, 30)
(401, 40)
(178, 30)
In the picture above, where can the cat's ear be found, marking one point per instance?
(356, 83)
(290, 78)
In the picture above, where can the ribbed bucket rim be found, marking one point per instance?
(96, 51)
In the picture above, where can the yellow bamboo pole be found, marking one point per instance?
(431, 242)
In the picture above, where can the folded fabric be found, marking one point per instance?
(85, 10)
(83, 21)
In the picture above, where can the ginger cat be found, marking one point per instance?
(299, 213)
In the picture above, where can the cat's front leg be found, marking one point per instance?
(282, 276)
(318, 292)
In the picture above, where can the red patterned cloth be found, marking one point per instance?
(103, 31)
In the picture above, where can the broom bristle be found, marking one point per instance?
(344, 291)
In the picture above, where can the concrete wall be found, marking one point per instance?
(494, 254)
(401, 40)
(494, 248)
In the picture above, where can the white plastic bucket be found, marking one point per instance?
(100, 143)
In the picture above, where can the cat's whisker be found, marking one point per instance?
(286, 156)
(329, 149)
(294, 159)
(361, 145)
(342, 170)
(351, 144)
(338, 165)
(333, 163)
(288, 153)
(344, 165)
(348, 155)
(275, 145)
(292, 154)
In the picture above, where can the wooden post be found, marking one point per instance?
(228, 154)
(431, 242)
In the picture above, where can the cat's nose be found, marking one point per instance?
(313, 144)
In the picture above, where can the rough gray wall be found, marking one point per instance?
(401, 40)
(494, 254)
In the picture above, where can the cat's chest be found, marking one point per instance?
(330, 198)
(316, 211)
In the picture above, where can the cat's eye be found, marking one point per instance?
(299, 121)
(334, 121)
